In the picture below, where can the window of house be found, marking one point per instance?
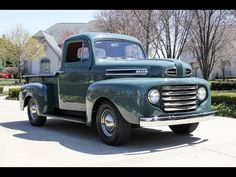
(26, 69)
(77, 51)
(45, 66)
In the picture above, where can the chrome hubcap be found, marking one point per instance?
(33, 110)
(108, 122)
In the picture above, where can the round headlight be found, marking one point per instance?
(153, 96)
(201, 93)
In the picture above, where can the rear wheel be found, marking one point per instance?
(34, 118)
(184, 128)
(112, 128)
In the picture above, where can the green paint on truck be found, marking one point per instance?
(106, 79)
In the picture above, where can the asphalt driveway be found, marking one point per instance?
(61, 143)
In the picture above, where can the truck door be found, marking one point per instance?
(74, 78)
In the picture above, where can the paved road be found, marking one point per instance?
(61, 143)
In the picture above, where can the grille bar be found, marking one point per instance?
(188, 72)
(179, 98)
(179, 104)
(186, 108)
(176, 93)
(171, 71)
(167, 88)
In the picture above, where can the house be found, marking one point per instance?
(228, 56)
(52, 40)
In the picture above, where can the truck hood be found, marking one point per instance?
(148, 67)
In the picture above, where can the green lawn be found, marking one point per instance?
(8, 82)
(223, 92)
(4, 93)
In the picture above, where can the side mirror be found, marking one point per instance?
(59, 73)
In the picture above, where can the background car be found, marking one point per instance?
(6, 75)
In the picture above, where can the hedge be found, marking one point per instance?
(13, 93)
(224, 109)
(224, 103)
(226, 97)
(227, 85)
(1, 90)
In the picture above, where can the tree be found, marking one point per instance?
(173, 27)
(233, 12)
(147, 20)
(163, 32)
(137, 23)
(7, 53)
(227, 53)
(114, 21)
(208, 33)
(25, 46)
(64, 35)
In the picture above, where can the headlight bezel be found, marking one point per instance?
(150, 96)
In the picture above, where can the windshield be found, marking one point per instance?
(118, 50)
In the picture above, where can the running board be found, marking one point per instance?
(68, 118)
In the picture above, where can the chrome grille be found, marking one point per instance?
(171, 71)
(179, 98)
(188, 72)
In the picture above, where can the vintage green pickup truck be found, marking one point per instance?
(107, 80)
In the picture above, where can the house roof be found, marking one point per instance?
(50, 40)
(58, 29)
(54, 34)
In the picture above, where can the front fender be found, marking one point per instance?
(41, 92)
(127, 98)
(129, 95)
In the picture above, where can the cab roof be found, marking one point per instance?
(101, 35)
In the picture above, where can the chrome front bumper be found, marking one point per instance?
(176, 119)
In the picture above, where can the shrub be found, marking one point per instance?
(1, 90)
(13, 93)
(226, 97)
(227, 85)
(224, 109)
(224, 103)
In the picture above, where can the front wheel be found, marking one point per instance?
(34, 118)
(112, 128)
(184, 129)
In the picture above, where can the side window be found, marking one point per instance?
(77, 51)
(85, 51)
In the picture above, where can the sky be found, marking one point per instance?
(35, 20)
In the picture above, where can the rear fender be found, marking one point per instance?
(42, 93)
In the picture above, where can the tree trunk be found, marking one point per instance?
(223, 74)
(19, 71)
